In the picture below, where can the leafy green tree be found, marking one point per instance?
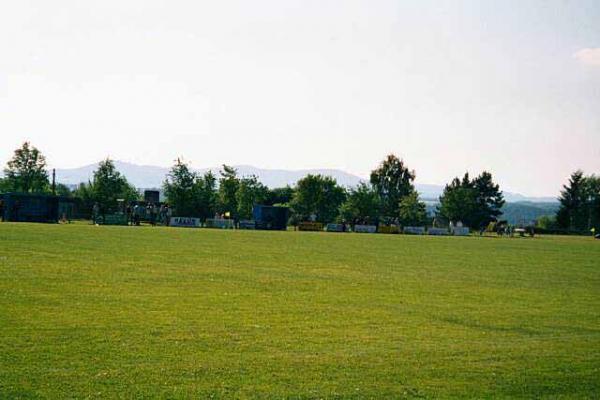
(458, 202)
(228, 187)
(572, 211)
(4, 185)
(319, 196)
(108, 185)
(179, 189)
(250, 192)
(26, 171)
(190, 195)
(63, 190)
(282, 196)
(547, 222)
(85, 193)
(412, 211)
(206, 195)
(361, 206)
(392, 181)
(474, 202)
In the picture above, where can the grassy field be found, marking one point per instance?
(104, 312)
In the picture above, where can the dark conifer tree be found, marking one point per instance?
(570, 215)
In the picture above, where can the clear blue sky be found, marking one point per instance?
(508, 86)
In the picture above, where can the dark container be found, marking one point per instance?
(30, 207)
(152, 196)
(270, 217)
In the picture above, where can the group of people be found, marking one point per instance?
(151, 212)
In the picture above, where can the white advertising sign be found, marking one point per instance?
(437, 231)
(365, 228)
(414, 230)
(185, 222)
(460, 231)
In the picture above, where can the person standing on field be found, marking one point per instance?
(95, 212)
(152, 209)
(162, 214)
(136, 215)
(169, 214)
(129, 219)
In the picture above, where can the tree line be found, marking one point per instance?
(579, 209)
(389, 196)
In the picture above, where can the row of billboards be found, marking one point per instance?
(391, 229)
(32, 207)
(265, 217)
(21, 207)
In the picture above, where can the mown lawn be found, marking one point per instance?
(126, 312)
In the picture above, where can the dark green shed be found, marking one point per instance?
(29, 207)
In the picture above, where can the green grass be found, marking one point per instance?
(105, 312)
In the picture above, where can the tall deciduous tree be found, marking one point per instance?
(26, 171)
(179, 190)
(4, 185)
(228, 187)
(206, 195)
(458, 202)
(190, 195)
(412, 211)
(250, 192)
(474, 202)
(63, 190)
(546, 222)
(392, 181)
(318, 196)
(85, 193)
(282, 196)
(108, 185)
(361, 206)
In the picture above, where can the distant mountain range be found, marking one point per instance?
(148, 176)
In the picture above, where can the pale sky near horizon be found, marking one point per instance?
(512, 87)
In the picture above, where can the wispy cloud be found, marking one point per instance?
(589, 56)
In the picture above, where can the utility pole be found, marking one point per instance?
(54, 181)
(590, 198)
